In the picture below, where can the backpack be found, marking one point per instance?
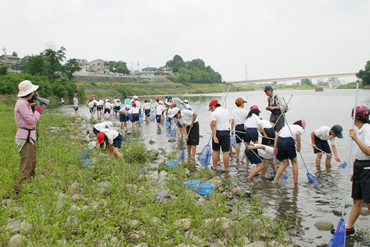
(286, 106)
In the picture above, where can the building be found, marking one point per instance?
(150, 69)
(167, 70)
(82, 62)
(97, 65)
(9, 59)
(146, 75)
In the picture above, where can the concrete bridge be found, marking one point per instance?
(294, 78)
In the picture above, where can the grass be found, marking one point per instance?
(114, 203)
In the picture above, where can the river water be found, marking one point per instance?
(305, 203)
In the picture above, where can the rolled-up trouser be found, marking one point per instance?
(28, 164)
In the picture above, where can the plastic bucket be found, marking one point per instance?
(168, 124)
(192, 184)
(140, 120)
(205, 189)
(172, 164)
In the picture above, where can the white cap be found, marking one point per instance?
(26, 87)
(160, 102)
(173, 112)
(128, 107)
(186, 101)
(135, 97)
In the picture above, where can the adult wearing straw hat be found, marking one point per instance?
(220, 126)
(25, 137)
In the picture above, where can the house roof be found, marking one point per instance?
(10, 56)
(150, 68)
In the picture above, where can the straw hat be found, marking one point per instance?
(26, 87)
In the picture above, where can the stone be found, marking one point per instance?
(161, 181)
(162, 195)
(224, 221)
(131, 187)
(163, 174)
(296, 245)
(221, 188)
(75, 188)
(25, 227)
(172, 140)
(142, 245)
(256, 244)
(151, 141)
(13, 225)
(185, 223)
(244, 240)
(216, 245)
(134, 223)
(365, 212)
(338, 212)
(17, 240)
(62, 242)
(71, 221)
(76, 197)
(6, 202)
(324, 225)
(155, 221)
(74, 207)
(321, 245)
(216, 182)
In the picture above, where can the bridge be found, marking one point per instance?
(294, 78)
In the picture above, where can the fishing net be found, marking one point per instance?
(129, 116)
(273, 174)
(182, 155)
(313, 179)
(339, 236)
(84, 159)
(343, 165)
(171, 133)
(178, 103)
(205, 156)
(233, 141)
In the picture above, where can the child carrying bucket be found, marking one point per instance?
(285, 147)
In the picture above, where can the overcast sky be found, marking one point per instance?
(279, 38)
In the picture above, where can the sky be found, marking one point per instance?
(240, 39)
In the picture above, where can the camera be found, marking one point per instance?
(40, 101)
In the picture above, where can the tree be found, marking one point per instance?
(118, 67)
(36, 65)
(70, 67)
(364, 75)
(307, 82)
(176, 63)
(14, 54)
(56, 59)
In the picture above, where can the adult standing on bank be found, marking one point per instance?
(75, 104)
(220, 126)
(25, 138)
(275, 103)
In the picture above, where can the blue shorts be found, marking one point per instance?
(251, 134)
(106, 110)
(147, 112)
(361, 180)
(158, 117)
(286, 148)
(270, 132)
(117, 141)
(323, 145)
(135, 117)
(224, 140)
(253, 156)
(122, 117)
(179, 124)
(239, 132)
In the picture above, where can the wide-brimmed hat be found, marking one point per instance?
(26, 87)
(174, 111)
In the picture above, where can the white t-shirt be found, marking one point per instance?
(285, 132)
(123, 110)
(187, 117)
(156, 104)
(187, 106)
(108, 105)
(117, 103)
(266, 124)
(95, 102)
(138, 104)
(146, 106)
(239, 115)
(135, 110)
(268, 153)
(364, 136)
(75, 102)
(252, 122)
(100, 102)
(103, 125)
(323, 133)
(111, 134)
(221, 116)
(159, 110)
(91, 104)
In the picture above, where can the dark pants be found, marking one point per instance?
(278, 125)
(28, 165)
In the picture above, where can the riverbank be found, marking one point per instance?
(137, 200)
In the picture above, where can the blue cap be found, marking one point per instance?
(337, 130)
(268, 88)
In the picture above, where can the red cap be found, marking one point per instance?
(254, 107)
(115, 97)
(156, 98)
(160, 99)
(90, 99)
(145, 100)
(99, 98)
(100, 137)
(133, 103)
(173, 105)
(213, 103)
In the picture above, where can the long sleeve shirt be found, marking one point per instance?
(25, 119)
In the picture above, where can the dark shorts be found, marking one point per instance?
(224, 140)
(361, 180)
(147, 112)
(286, 148)
(99, 107)
(76, 108)
(321, 144)
(135, 117)
(116, 108)
(117, 141)
(91, 110)
(193, 135)
(270, 132)
(122, 118)
(158, 117)
(62, 103)
(96, 131)
(239, 132)
(253, 156)
(251, 134)
(178, 123)
(106, 110)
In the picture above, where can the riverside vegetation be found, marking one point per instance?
(119, 202)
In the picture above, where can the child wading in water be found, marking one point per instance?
(238, 117)
(257, 154)
(361, 167)
(285, 147)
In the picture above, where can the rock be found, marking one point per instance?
(71, 221)
(216, 245)
(163, 174)
(185, 223)
(296, 245)
(131, 187)
(13, 225)
(162, 195)
(216, 182)
(230, 234)
(324, 225)
(75, 188)
(62, 242)
(259, 196)
(244, 240)
(237, 191)
(221, 188)
(172, 140)
(74, 207)
(365, 212)
(25, 227)
(17, 240)
(134, 223)
(155, 221)
(76, 197)
(161, 181)
(321, 245)
(151, 141)
(6, 202)
(338, 212)
(256, 244)
(224, 221)
(142, 245)
(60, 195)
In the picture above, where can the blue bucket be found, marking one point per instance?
(205, 189)
(142, 115)
(168, 124)
(192, 184)
(140, 120)
(172, 164)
